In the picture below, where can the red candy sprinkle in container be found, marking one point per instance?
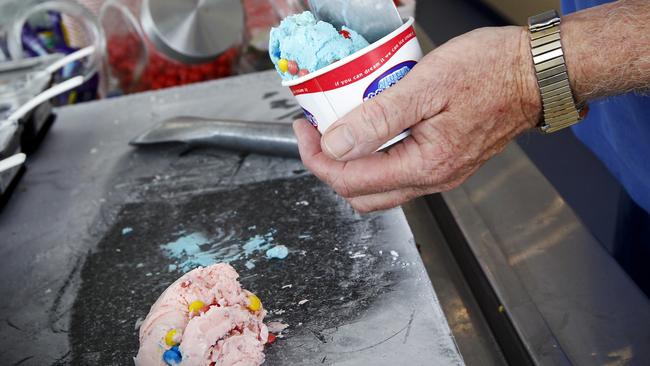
(157, 71)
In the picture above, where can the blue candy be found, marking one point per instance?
(172, 356)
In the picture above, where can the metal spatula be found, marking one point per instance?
(373, 19)
(270, 138)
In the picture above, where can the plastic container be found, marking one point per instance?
(330, 93)
(135, 63)
(16, 38)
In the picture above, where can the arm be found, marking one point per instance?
(608, 49)
(466, 100)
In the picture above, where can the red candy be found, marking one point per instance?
(123, 53)
(303, 72)
(205, 309)
(293, 67)
(209, 306)
(344, 33)
(271, 339)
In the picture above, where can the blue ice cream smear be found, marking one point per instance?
(188, 249)
(258, 243)
(313, 44)
(250, 264)
(193, 250)
(278, 252)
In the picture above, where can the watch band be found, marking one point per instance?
(560, 109)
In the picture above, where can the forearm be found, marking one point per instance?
(607, 49)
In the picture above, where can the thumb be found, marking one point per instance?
(367, 127)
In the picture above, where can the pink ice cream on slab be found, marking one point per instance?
(204, 318)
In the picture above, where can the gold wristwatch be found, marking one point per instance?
(560, 108)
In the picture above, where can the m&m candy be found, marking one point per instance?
(254, 303)
(172, 356)
(171, 338)
(283, 65)
(196, 307)
(292, 67)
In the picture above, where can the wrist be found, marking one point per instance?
(531, 99)
(575, 69)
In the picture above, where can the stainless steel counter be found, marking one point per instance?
(551, 293)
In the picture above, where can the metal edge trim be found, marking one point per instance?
(519, 327)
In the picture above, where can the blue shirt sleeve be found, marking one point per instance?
(617, 130)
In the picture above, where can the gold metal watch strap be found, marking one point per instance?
(560, 110)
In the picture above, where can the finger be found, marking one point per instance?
(384, 201)
(369, 126)
(308, 138)
(387, 200)
(401, 166)
(311, 154)
(380, 172)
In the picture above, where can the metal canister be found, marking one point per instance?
(193, 31)
(153, 44)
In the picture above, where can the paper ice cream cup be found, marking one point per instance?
(331, 92)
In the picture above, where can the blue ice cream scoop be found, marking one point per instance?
(302, 44)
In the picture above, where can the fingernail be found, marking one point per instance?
(338, 141)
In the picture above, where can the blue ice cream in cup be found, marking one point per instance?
(311, 44)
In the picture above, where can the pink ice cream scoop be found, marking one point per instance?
(204, 318)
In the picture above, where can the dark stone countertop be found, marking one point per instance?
(81, 240)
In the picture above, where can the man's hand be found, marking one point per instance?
(463, 102)
(466, 100)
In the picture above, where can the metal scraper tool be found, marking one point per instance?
(373, 19)
(268, 138)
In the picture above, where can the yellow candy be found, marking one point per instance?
(254, 303)
(283, 65)
(170, 338)
(195, 307)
